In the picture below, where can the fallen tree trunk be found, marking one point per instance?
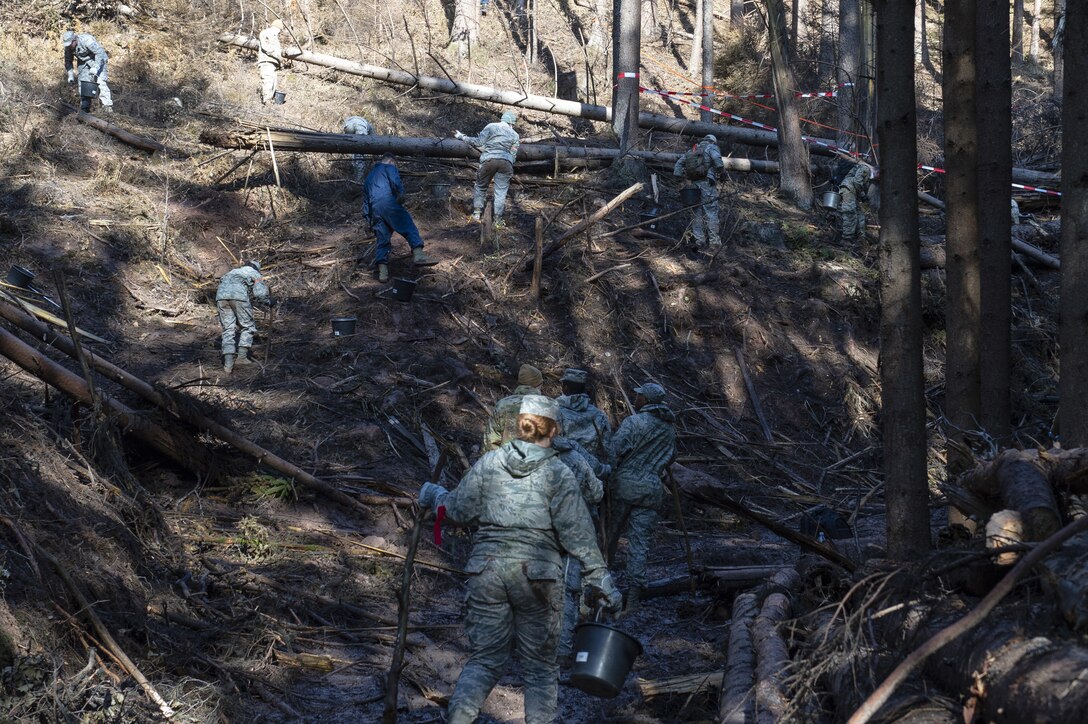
(1020, 480)
(180, 447)
(287, 139)
(655, 121)
(1033, 253)
(772, 659)
(736, 704)
(175, 405)
(144, 144)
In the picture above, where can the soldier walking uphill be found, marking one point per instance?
(498, 145)
(854, 189)
(581, 420)
(382, 194)
(238, 289)
(701, 167)
(90, 61)
(502, 426)
(269, 59)
(527, 509)
(358, 126)
(644, 446)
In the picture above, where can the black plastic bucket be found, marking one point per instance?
(649, 219)
(88, 89)
(343, 326)
(603, 656)
(440, 190)
(19, 276)
(403, 289)
(690, 195)
(279, 98)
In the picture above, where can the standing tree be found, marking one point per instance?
(466, 26)
(993, 104)
(962, 402)
(626, 39)
(794, 174)
(598, 36)
(921, 39)
(705, 31)
(849, 69)
(1017, 31)
(1036, 11)
(1056, 46)
(1073, 385)
(906, 486)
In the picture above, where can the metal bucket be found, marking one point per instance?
(343, 326)
(403, 289)
(441, 190)
(19, 276)
(830, 200)
(88, 89)
(603, 657)
(690, 195)
(279, 98)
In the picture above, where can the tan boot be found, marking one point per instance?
(383, 273)
(243, 357)
(421, 259)
(228, 363)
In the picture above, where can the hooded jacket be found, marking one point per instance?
(526, 507)
(497, 140)
(584, 466)
(89, 57)
(582, 421)
(242, 284)
(643, 446)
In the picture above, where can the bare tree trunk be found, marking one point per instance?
(626, 42)
(1059, 41)
(706, 66)
(1018, 31)
(849, 67)
(466, 26)
(1036, 10)
(826, 44)
(962, 402)
(797, 25)
(1073, 385)
(906, 486)
(695, 60)
(993, 103)
(921, 42)
(795, 177)
(651, 25)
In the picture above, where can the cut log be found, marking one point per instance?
(683, 684)
(1005, 528)
(176, 405)
(177, 445)
(144, 144)
(772, 660)
(655, 121)
(1020, 480)
(289, 139)
(736, 703)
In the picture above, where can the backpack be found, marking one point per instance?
(696, 165)
(842, 170)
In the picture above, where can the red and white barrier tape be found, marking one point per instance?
(754, 96)
(1036, 189)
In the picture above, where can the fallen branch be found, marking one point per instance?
(144, 144)
(979, 613)
(596, 216)
(753, 396)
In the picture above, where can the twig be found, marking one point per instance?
(753, 396)
(600, 274)
(949, 634)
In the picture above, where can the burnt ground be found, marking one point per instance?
(245, 597)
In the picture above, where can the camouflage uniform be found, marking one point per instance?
(360, 164)
(527, 510)
(498, 145)
(503, 423)
(587, 471)
(234, 301)
(705, 225)
(852, 190)
(644, 445)
(90, 60)
(583, 422)
(269, 60)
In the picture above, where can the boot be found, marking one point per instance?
(421, 259)
(243, 357)
(228, 363)
(383, 273)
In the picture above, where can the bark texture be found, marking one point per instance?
(627, 56)
(795, 179)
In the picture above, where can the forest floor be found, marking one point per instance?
(243, 597)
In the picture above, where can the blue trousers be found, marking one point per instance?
(387, 220)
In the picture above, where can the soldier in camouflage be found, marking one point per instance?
(580, 419)
(498, 146)
(527, 510)
(360, 165)
(589, 472)
(705, 225)
(503, 424)
(234, 299)
(644, 445)
(853, 190)
(87, 61)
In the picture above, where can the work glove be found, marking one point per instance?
(71, 77)
(599, 588)
(458, 135)
(431, 495)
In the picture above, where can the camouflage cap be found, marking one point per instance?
(539, 405)
(652, 391)
(574, 375)
(255, 263)
(68, 36)
(509, 117)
